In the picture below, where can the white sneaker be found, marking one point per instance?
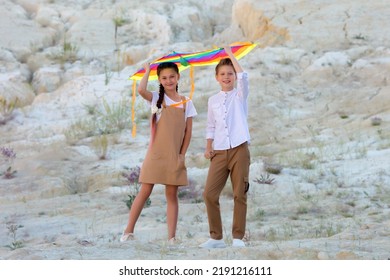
(213, 243)
(172, 241)
(238, 243)
(126, 236)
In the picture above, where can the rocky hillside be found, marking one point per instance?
(319, 114)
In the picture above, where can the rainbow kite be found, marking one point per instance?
(203, 58)
(189, 60)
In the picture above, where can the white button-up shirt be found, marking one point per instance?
(227, 116)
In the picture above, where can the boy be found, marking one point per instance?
(227, 135)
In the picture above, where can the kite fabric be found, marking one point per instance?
(189, 60)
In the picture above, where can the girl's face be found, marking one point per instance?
(169, 78)
(226, 77)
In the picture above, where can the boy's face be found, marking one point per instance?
(226, 77)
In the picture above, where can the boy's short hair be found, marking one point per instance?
(224, 61)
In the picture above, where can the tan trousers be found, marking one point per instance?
(235, 162)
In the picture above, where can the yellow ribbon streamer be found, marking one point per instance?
(134, 126)
(192, 81)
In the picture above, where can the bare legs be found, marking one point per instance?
(137, 206)
(139, 202)
(172, 210)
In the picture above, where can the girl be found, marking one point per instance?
(171, 129)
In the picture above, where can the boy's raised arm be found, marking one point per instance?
(236, 65)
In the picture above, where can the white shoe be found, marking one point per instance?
(238, 243)
(172, 241)
(126, 236)
(213, 243)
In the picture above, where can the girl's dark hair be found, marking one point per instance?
(223, 62)
(160, 67)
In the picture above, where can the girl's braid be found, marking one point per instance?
(160, 96)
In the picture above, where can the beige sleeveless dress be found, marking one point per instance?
(162, 163)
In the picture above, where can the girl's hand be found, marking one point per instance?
(147, 66)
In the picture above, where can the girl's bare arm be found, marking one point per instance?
(142, 88)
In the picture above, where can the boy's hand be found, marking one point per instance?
(228, 50)
(209, 153)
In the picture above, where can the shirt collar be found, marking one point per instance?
(227, 92)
